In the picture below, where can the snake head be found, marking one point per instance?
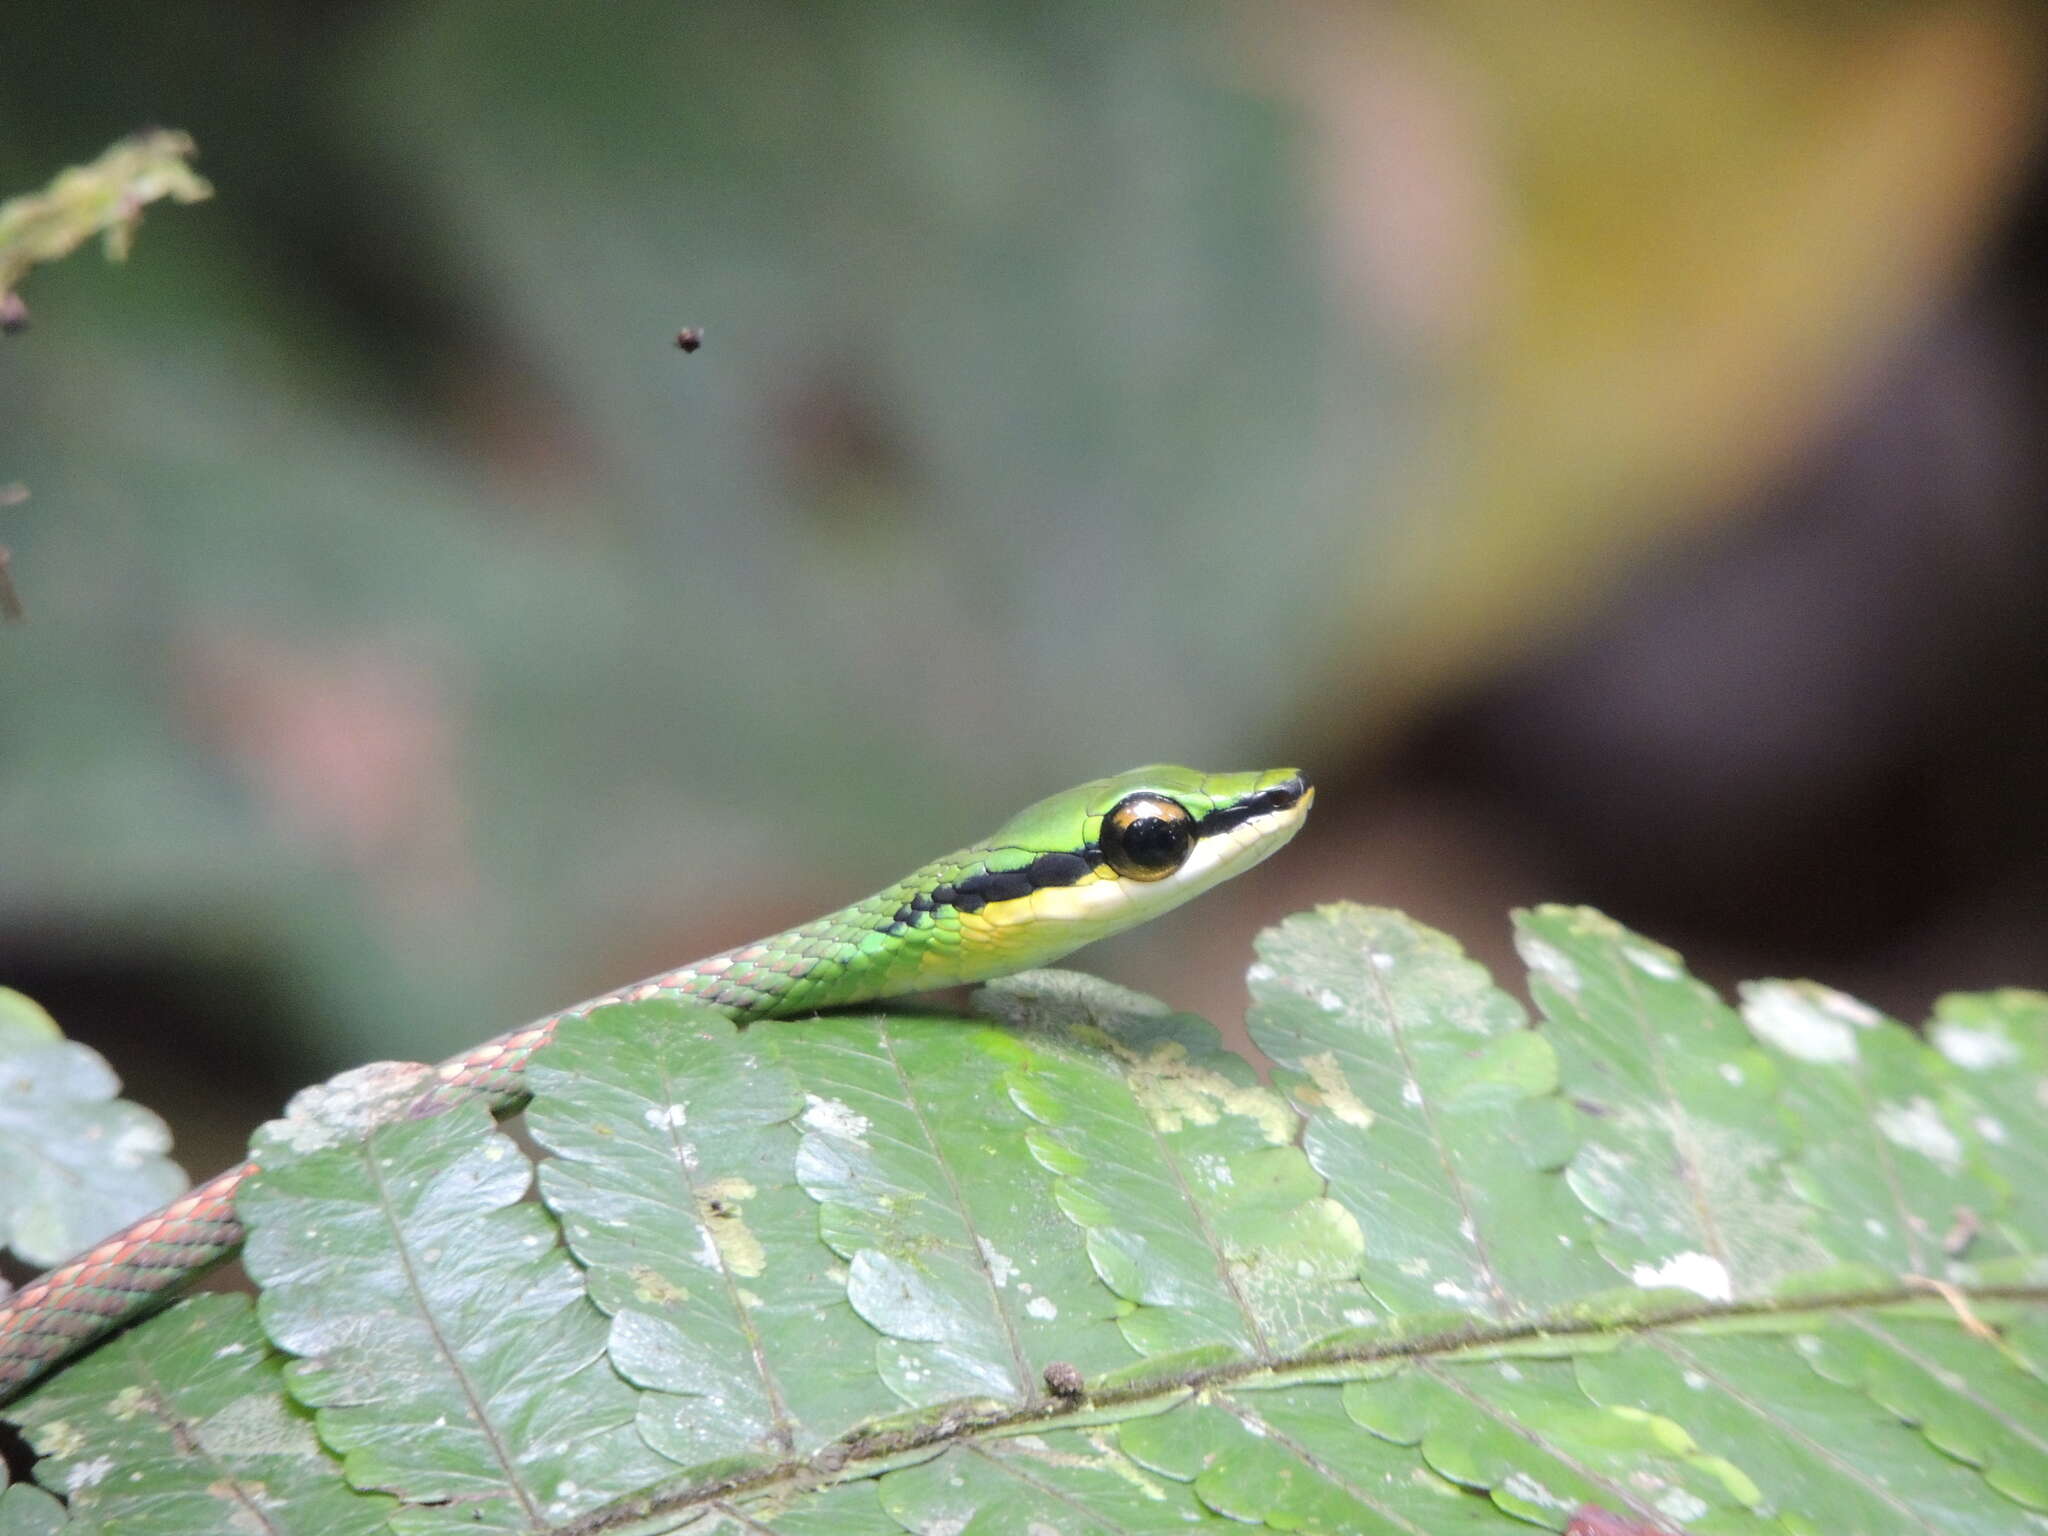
(1114, 852)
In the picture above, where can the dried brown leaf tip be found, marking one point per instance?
(1959, 1303)
(690, 337)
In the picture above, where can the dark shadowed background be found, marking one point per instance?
(1602, 441)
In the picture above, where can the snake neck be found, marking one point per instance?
(952, 922)
(892, 942)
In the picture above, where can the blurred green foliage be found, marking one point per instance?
(75, 1162)
(1082, 387)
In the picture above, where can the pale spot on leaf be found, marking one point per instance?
(835, 1118)
(1652, 962)
(1700, 1273)
(86, 1474)
(1001, 1268)
(1549, 961)
(1917, 1125)
(1521, 1485)
(1779, 1015)
(1974, 1050)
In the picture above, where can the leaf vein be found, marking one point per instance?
(1687, 1155)
(402, 1250)
(1009, 1467)
(1765, 1414)
(785, 1437)
(184, 1433)
(976, 1247)
(1962, 1389)
(1329, 1474)
(1514, 1426)
(1468, 1225)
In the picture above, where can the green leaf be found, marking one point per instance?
(674, 1176)
(1293, 1459)
(442, 1336)
(1998, 1044)
(1069, 1266)
(1884, 1156)
(955, 1249)
(1028, 1484)
(1524, 1433)
(1826, 1457)
(183, 1426)
(1681, 1148)
(1955, 1386)
(75, 1161)
(1201, 1212)
(26, 1510)
(1434, 1113)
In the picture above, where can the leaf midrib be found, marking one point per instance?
(185, 1438)
(860, 1454)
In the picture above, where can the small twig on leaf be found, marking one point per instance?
(1973, 1325)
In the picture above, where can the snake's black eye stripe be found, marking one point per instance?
(1147, 837)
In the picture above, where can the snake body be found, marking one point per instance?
(1064, 872)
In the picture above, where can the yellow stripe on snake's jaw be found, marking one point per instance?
(1101, 859)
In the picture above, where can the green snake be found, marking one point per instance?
(1065, 872)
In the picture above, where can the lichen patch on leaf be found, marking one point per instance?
(1177, 1091)
(1329, 1090)
(258, 1424)
(343, 1109)
(720, 1204)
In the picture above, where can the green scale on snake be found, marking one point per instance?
(1065, 872)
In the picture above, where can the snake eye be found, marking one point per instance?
(1147, 837)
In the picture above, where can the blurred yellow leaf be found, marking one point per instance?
(1676, 237)
(104, 198)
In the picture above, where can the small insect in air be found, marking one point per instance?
(690, 337)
